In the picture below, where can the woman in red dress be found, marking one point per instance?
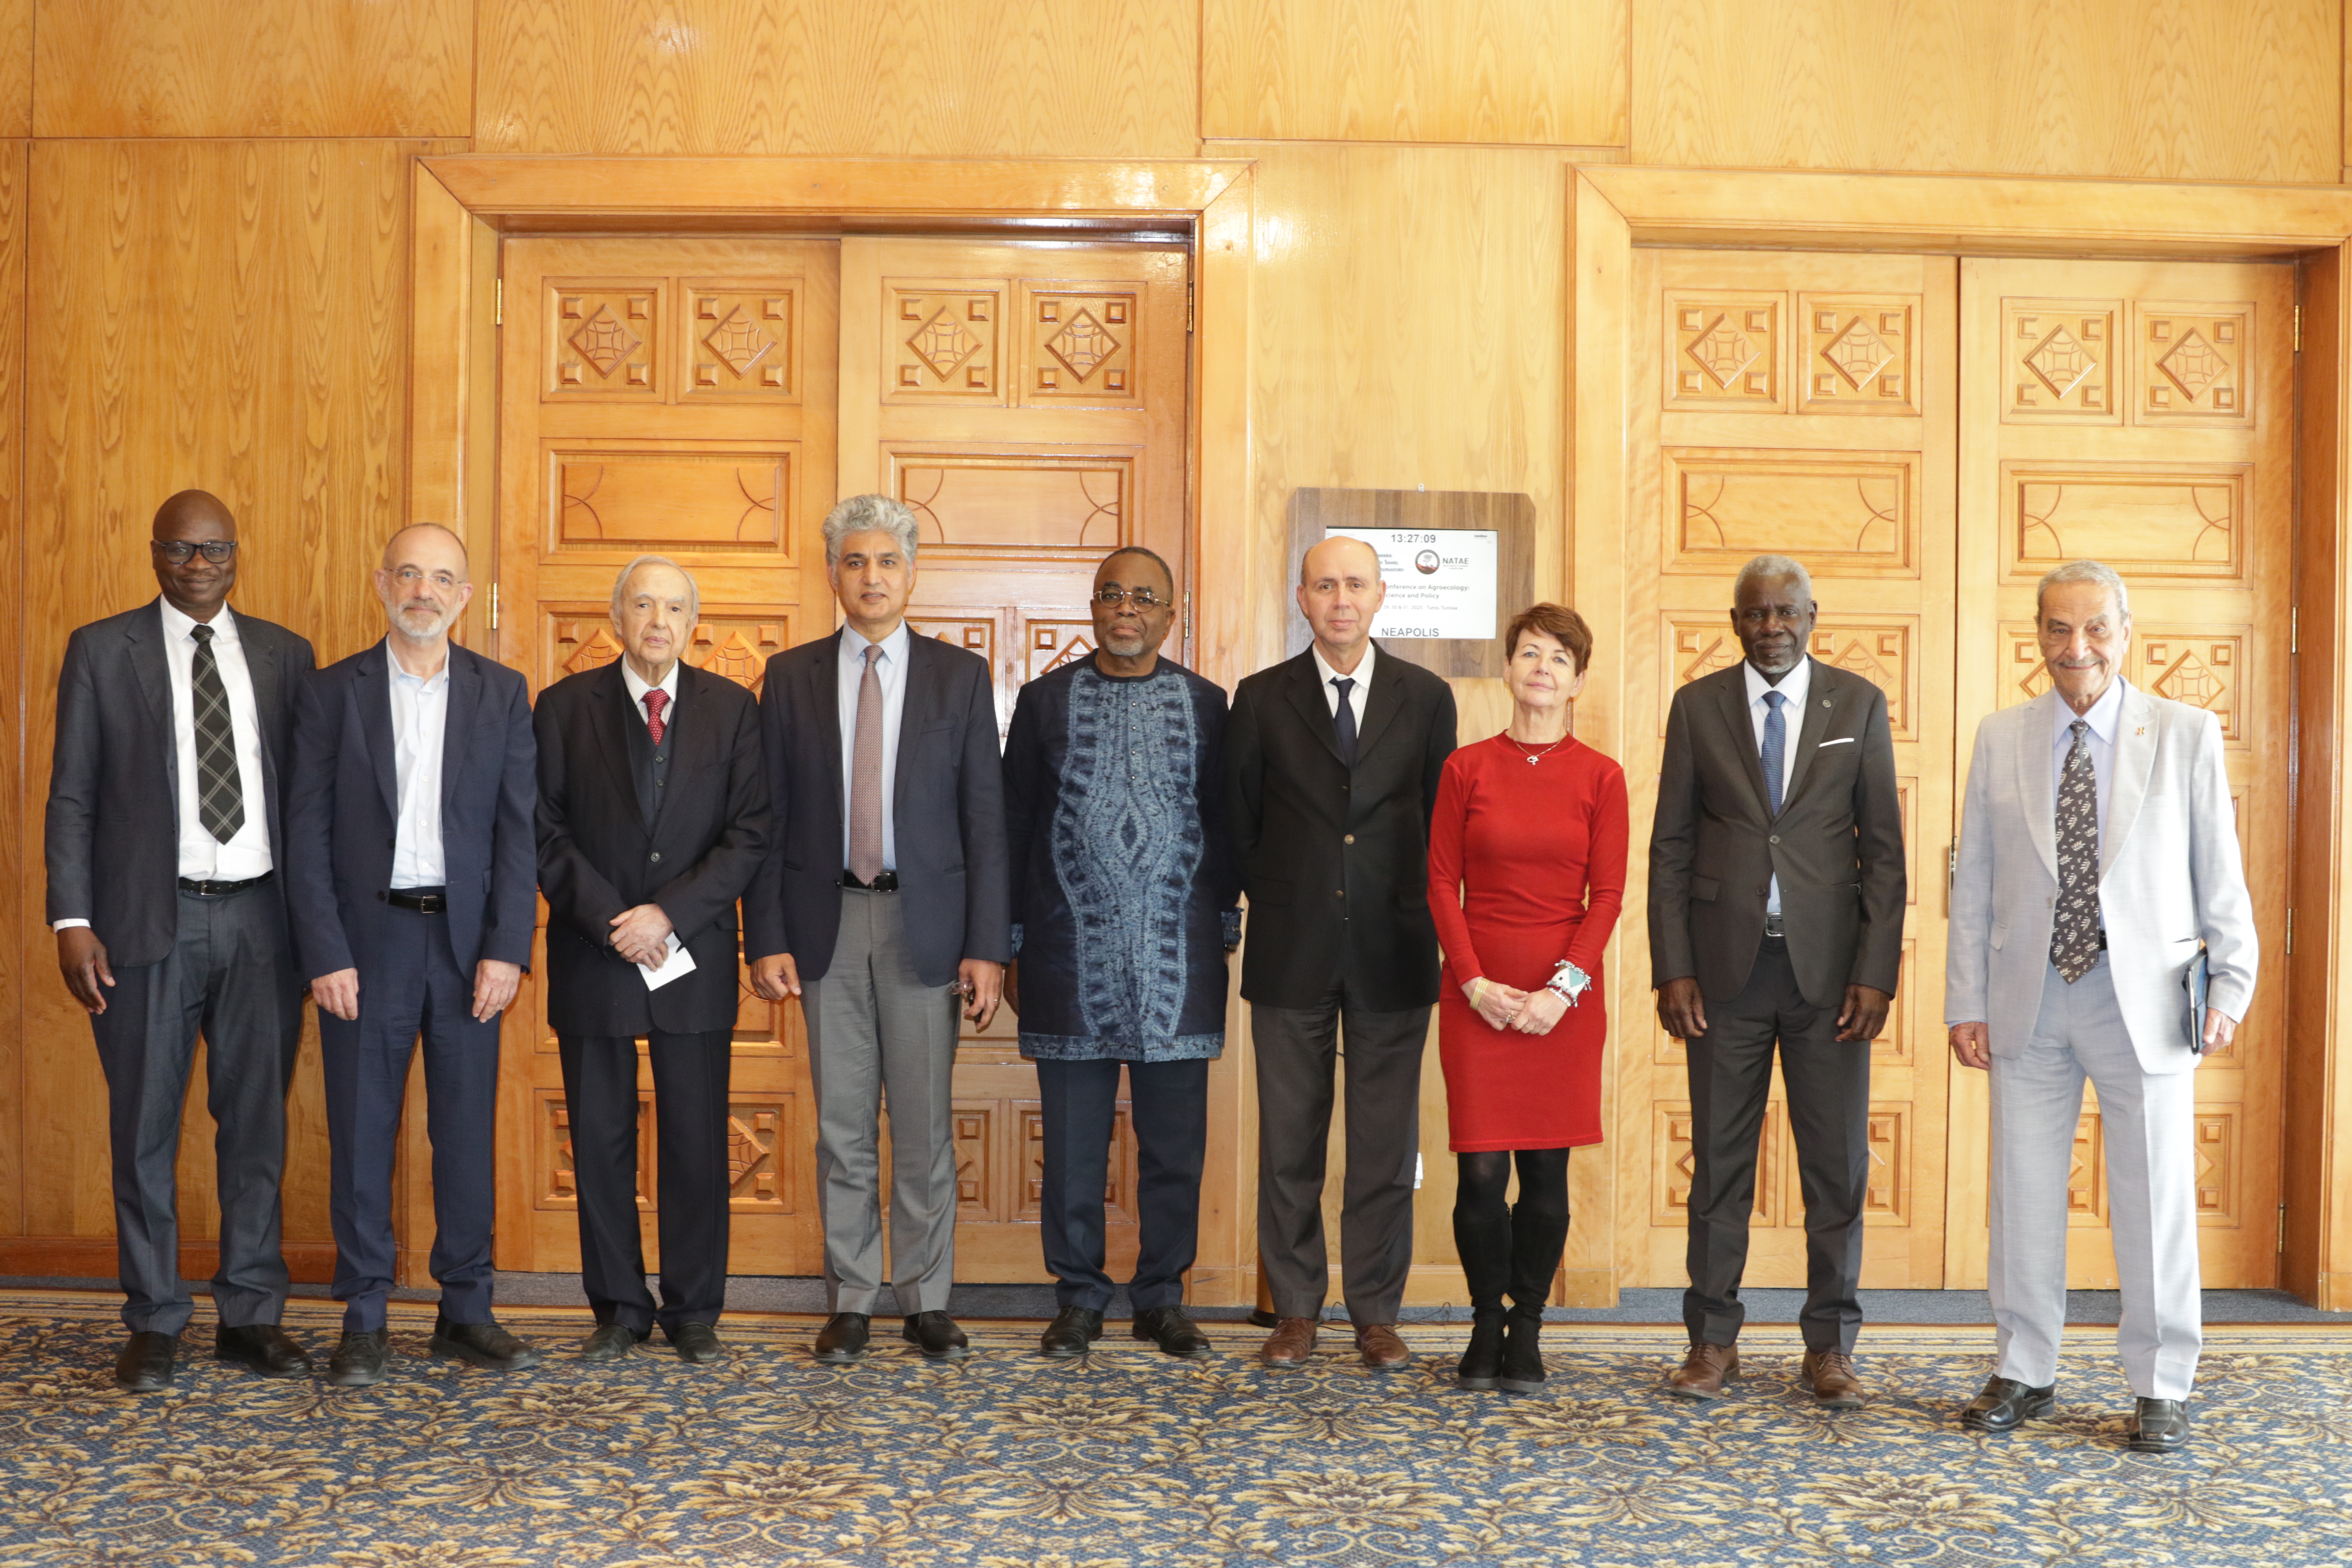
(1527, 874)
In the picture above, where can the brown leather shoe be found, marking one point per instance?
(1378, 1345)
(1830, 1376)
(1287, 1348)
(1704, 1371)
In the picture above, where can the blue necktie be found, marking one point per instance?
(1345, 719)
(1776, 746)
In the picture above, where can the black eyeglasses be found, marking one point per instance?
(1143, 599)
(178, 551)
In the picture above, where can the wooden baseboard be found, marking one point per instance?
(2333, 1293)
(93, 1258)
(1442, 1284)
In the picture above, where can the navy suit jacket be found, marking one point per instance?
(114, 833)
(947, 809)
(343, 816)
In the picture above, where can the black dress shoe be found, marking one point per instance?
(484, 1344)
(936, 1335)
(2005, 1402)
(359, 1360)
(1173, 1332)
(1068, 1336)
(696, 1342)
(609, 1342)
(842, 1338)
(145, 1363)
(260, 1348)
(2158, 1427)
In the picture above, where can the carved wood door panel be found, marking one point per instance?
(1795, 404)
(1028, 403)
(673, 396)
(2142, 413)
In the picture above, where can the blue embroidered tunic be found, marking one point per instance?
(1124, 890)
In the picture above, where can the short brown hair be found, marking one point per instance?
(1556, 621)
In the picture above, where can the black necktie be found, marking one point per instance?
(1344, 718)
(220, 793)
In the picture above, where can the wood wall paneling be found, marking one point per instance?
(930, 77)
(16, 68)
(253, 68)
(18, 963)
(2175, 89)
(1546, 71)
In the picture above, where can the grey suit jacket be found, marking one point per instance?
(113, 833)
(1836, 845)
(2169, 874)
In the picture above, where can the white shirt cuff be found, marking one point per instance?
(67, 924)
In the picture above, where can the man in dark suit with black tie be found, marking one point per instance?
(884, 901)
(164, 843)
(1333, 759)
(414, 885)
(1776, 918)
(653, 815)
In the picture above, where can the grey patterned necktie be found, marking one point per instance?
(1775, 751)
(220, 793)
(865, 774)
(2075, 932)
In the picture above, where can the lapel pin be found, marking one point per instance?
(2141, 731)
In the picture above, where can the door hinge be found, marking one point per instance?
(1188, 305)
(2295, 628)
(1188, 618)
(2290, 931)
(2298, 326)
(498, 302)
(493, 606)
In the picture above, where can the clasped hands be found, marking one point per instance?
(1508, 1007)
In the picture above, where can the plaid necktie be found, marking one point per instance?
(220, 793)
(2074, 930)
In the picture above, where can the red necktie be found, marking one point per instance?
(655, 701)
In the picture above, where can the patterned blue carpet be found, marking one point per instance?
(1132, 1460)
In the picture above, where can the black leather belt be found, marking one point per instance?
(886, 882)
(423, 901)
(222, 889)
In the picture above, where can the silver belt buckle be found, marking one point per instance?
(1775, 925)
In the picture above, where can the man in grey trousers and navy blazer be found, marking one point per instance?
(414, 886)
(165, 851)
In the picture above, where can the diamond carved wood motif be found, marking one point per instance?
(2192, 362)
(943, 342)
(1887, 1198)
(558, 1186)
(1049, 643)
(604, 342)
(742, 343)
(972, 1126)
(2061, 360)
(756, 1175)
(1723, 350)
(2202, 668)
(1674, 1166)
(2217, 1165)
(1081, 347)
(1881, 650)
(1860, 354)
(1118, 1180)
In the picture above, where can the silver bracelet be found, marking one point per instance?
(1568, 982)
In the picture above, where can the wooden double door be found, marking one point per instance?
(710, 399)
(1929, 436)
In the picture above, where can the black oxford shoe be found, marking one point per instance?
(1173, 1332)
(1068, 1336)
(145, 1363)
(937, 1336)
(2158, 1427)
(2005, 1403)
(483, 1344)
(842, 1338)
(696, 1342)
(359, 1360)
(262, 1349)
(608, 1341)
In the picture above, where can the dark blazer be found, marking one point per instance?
(947, 809)
(1837, 844)
(113, 835)
(1336, 862)
(342, 815)
(600, 853)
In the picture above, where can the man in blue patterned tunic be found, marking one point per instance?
(1124, 906)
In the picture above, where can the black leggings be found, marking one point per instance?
(1506, 1246)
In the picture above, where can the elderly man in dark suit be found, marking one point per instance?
(884, 900)
(164, 845)
(653, 815)
(1333, 760)
(1776, 919)
(414, 886)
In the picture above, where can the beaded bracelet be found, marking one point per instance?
(1568, 982)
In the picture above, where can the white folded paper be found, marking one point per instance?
(677, 961)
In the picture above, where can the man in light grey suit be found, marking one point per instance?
(2098, 850)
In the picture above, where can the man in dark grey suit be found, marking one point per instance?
(164, 848)
(414, 886)
(1776, 919)
(885, 899)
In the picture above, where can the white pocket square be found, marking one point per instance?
(1840, 740)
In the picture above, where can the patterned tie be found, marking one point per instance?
(865, 774)
(2075, 932)
(220, 793)
(1776, 746)
(1344, 718)
(655, 701)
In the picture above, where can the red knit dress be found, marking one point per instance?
(1527, 866)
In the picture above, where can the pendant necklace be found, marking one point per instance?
(1535, 757)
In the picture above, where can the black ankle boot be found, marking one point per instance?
(1523, 1368)
(1481, 1361)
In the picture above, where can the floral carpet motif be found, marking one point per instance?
(1131, 1459)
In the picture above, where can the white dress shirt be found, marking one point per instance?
(1362, 675)
(638, 688)
(2104, 716)
(420, 721)
(203, 857)
(890, 670)
(1796, 686)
